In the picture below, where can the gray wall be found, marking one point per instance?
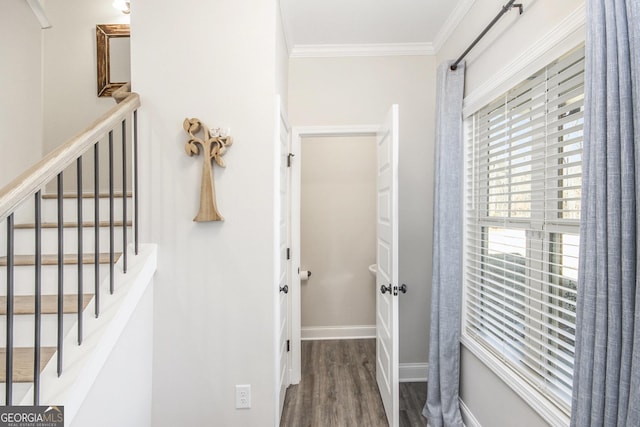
(355, 91)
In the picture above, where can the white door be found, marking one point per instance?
(387, 259)
(283, 138)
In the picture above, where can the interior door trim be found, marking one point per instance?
(297, 133)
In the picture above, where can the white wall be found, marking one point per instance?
(353, 91)
(49, 78)
(338, 231)
(70, 98)
(215, 287)
(69, 60)
(503, 53)
(121, 394)
(512, 37)
(20, 74)
(282, 61)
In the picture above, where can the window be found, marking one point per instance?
(523, 178)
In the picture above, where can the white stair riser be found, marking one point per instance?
(24, 279)
(70, 209)
(26, 213)
(20, 390)
(24, 326)
(24, 240)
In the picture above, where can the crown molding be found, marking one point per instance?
(350, 50)
(452, 22)
(567, 34)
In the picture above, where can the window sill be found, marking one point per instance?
(533, 397)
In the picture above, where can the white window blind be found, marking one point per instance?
(523, 177)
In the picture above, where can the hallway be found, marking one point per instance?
(338, 389)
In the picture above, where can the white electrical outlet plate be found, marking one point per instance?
(243, 396)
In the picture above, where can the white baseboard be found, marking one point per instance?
(338, 332)
(413, 372)
(467, 416)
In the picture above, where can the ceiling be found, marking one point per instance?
(331, 22)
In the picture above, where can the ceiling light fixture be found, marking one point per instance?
(123, 6)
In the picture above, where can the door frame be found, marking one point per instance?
(297, 133)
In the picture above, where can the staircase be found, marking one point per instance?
(24, 278)
(75, 292)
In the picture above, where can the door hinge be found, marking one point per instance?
(289, 157)
(288, 345)
(288, 253)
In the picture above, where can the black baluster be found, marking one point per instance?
(124, 196)
(136, 230)
(60, 273)
(9, 359)
(111, 235)
(96, 220)
(80, 248)
(38, 300)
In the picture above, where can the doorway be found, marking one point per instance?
(386, 202)
(338, 231)
(298, 133)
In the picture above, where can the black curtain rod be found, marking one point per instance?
(504, 10)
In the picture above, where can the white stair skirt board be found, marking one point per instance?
(467, 416)
(338, 332)
(413, 372)
(82, 364)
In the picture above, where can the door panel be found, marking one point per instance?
(387, 272)
(283, 138)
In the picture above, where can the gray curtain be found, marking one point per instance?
(442, 407)
(606, 385)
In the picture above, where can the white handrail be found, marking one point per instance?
(34, 178)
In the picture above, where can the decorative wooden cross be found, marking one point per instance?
(213, 146)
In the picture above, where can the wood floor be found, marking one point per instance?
(338, 389)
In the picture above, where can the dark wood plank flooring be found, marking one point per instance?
(338, 389)
(412, 399)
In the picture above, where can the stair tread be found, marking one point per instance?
(25, 304)
(23, 363)
(89, 224)
(116, 194)
(88, 258)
